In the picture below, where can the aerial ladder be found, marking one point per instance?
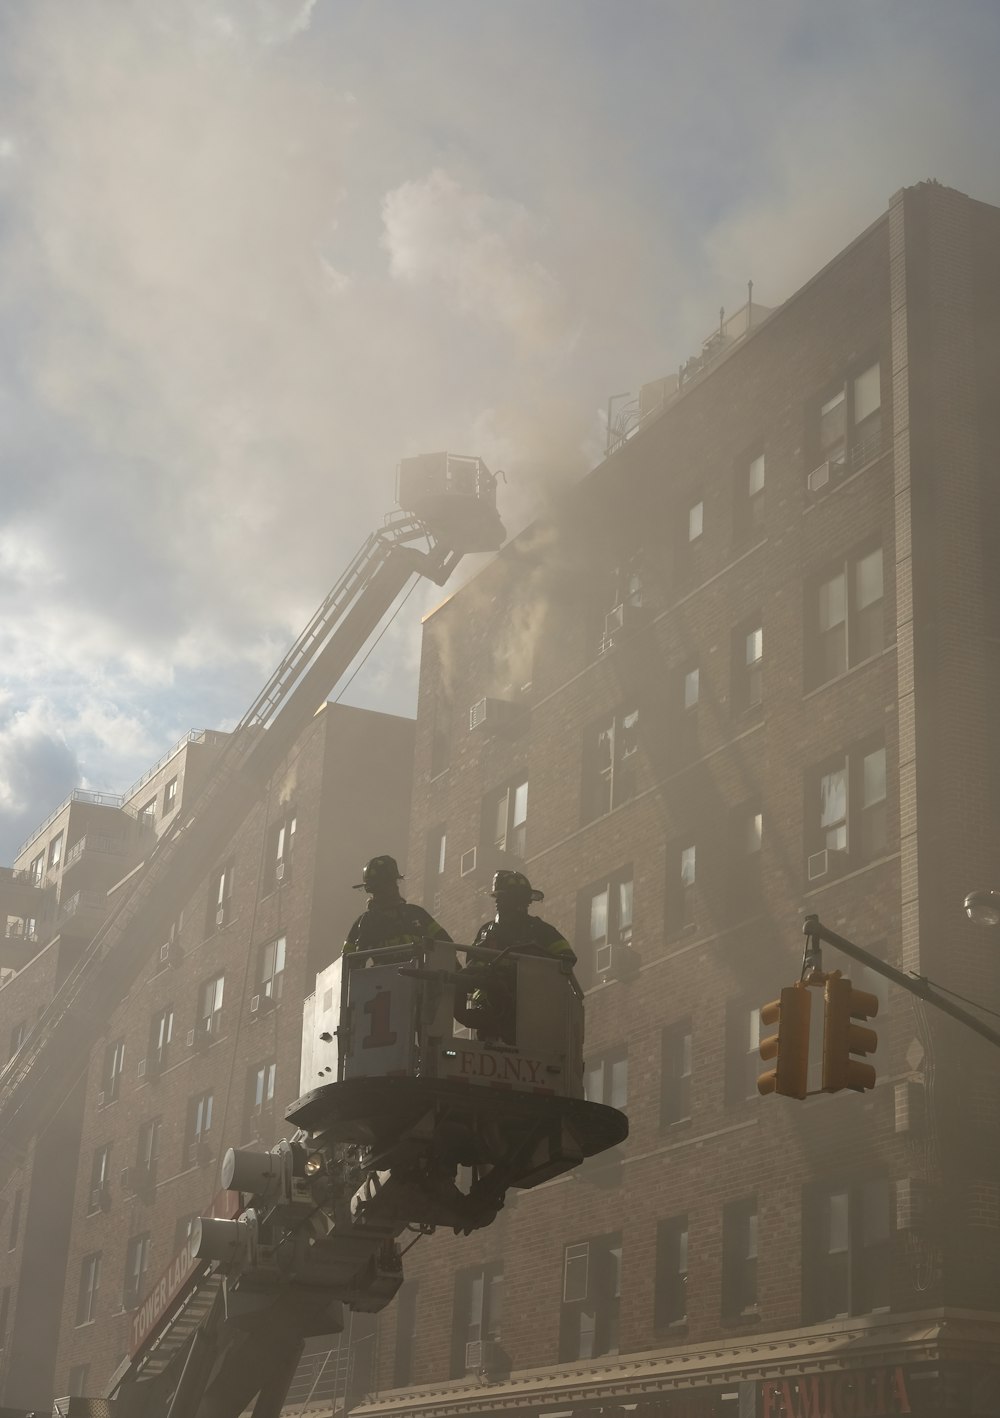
(447, 509)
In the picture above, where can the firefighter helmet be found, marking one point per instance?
(380, 871)
(514, 886)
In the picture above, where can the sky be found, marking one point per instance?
(253, 252)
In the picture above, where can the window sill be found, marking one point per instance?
(679, 1125)
(850, 875)
(745, 1317)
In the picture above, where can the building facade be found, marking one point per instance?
(203, 1054)
(744, 672)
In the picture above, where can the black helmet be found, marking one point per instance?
(515, 886)
(380, 871)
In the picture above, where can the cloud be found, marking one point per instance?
(477, 251)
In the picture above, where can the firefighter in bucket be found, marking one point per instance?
(486, 999)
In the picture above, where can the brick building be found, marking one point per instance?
(204, 1051)
(744, 672)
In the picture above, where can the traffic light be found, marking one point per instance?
(842, 1003)
(789, 1048)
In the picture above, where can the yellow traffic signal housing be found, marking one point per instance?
(789, 1048)
(842, 1003)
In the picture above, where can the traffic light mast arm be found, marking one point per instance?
(815, 933)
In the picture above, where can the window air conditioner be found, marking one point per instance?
(220, 916)
(474, 1354)
(255, 1004)
(100, 1099)
(819, 477)
(818, 865)
(170, 953)
(279, 871)
(467, 865)
(140, 1069)
(616, 961)
(614, 620)
(490, 714)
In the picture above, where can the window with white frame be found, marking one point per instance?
(434, 865)
(281, 843)
(591, 1298)
(148, 1148)
(56, 851)
(272, 969)
(610, 758)
(261, 1086)
(90, 1282)
(849, 422)
(847, 1252)
(846, 800)
(682, 877)
(111, 1074)
(605, 1078)
(197, 1127)
(746, 833)
(161, 1035)
(605, 910)
(37, 869)
(136, 1266)
(478, 1316)
(748, 661)
(748, 513)
(847, 615)
(209, 1017)
(743, 1061)
(220, 904)
(506, 817)
(99, 1196)
(170, 796)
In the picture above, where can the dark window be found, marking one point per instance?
(136, 1265)
(591, 1296)
(78, 1381)
(220, 899)
(605, 924)
(434, 864)
(675, 1090)
(197, 1128)
(748, 663)
(609, 763)
(846, 810)
(846, 618)
(743, 1061)
(406, 1334)
(37, 869)
(739, 1258)
(670, 1295)
(271, 972)
(260, 1099)
(147, 813)
(170, 796)
(748, 510)
(848, 1256)
(90, 1281)
(161, 1034)
(848, 429)
(56, 850)
(605, 1078)
(148, 1148)
(746, 831)
(505, 818)
(99, 1197)
(682, 874)
(281, 844)
(111, 1075)
(620, 603)
(478, 1314)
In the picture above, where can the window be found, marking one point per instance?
(15, 1220)
(743, 1061)
(406, 1334)
(220, 908)
(847, 619)
(478, 1314)
(846, 810)
(749, 500)
(605, 912)
(609, 763)
(739, 1258)
(690, 687)
(675, 1086)
(619, 602)
(111, 1077)
(147, 813)
(183, 1227)
(161, 1035)
(849, 432)
(170, 796)
(748, 660)
(591, 1296)
(281, 843)
(507, 818)
(209, 1018)
(437, 852)
(78, 1381)
(90, 1280)
(37, 869)
(605, 1078)
(55, 851)
(847, 1261)
(99, 1197)
(136, 1265)
(148, 1149)
(670, 1294)
(272, 969)
(260, 1094)
(197, 1128)
(746, 832)
(681, 879)
(441, 737)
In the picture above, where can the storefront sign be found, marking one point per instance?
(867, 1393)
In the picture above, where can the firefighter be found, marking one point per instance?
(388, 920)
(491, 1006)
